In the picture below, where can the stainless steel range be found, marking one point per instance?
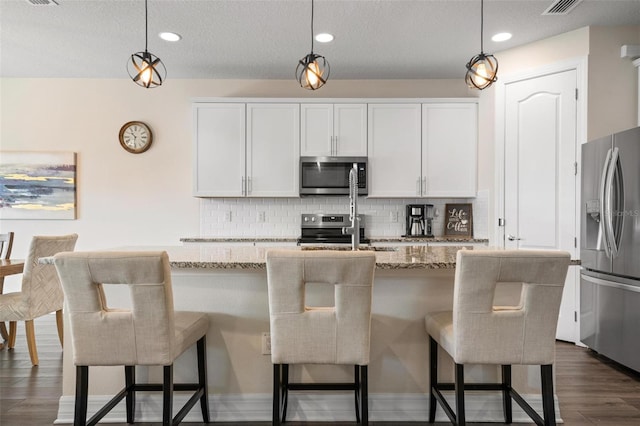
(327, 229)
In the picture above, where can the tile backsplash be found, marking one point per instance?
(280, 217)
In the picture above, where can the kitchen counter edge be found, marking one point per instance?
(441, 239)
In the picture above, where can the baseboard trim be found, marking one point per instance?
(303, 406)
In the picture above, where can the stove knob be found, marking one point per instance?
(313, 219)
(306, 219)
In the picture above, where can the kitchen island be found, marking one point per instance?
(230, 284)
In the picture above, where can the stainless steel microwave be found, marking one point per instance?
(330, 175)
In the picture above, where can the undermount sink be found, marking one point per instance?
(348, 248)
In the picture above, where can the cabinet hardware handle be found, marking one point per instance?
(418, 186)
(336, 145)
(249, 186)
(242, 187)
(424, 186)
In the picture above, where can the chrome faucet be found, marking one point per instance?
(354, 229)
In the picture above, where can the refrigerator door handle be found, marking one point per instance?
(611, 236)
(602, 196)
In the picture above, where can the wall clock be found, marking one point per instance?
(136, 137)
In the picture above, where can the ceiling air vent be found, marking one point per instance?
(42, 2)
(561, 7)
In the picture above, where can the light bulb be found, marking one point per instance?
(146, 72)
(312, 73)
(481, 76)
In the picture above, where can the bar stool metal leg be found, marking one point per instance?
(82, 390)
(546, 373)
(167, 396)
(433, 377)
(459, 389)
(506, 394)
(130, 381)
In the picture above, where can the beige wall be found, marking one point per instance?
(548, 51)
(126, 199)
(613, 81)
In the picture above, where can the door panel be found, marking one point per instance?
(592, 251)
(540, 180)
(273, 150)
(628, 214)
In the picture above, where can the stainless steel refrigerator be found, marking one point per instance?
(610, 247)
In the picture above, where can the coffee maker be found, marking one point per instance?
(419, 220)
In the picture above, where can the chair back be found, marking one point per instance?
(6, 243)
(142, 335)
(337, 334)
(523, 334)
(41, 290)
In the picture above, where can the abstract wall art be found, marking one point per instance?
(37, 185)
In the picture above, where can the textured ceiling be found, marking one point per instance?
(374, 39)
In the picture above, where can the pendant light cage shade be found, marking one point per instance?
(482, 71)
(146, 69)
(312, 71)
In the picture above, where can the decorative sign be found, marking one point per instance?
(37, 185)
(459, 220)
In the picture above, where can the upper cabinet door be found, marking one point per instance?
(350, 130)
(333, 130)
(449, 149)
(316, 122)
(219, 150)
(273, 150)
(394, 150)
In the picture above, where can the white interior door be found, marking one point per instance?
(540, 174)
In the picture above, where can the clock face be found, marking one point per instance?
(135, 137)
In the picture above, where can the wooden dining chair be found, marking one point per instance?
(6, 243)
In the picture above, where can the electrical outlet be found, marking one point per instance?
(227, 216)
(261, 217)
(266, 343)
(393, 216)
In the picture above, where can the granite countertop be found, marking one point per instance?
(427, 240)
(253, 258)
(250, 257)
(198, 257)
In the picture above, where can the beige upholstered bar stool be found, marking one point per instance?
(320, 335)
(40, 292)
(477, 332)
(151, 333)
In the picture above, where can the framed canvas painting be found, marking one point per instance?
(37, 185)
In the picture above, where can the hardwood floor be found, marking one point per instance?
(592, 390)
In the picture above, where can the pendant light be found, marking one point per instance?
(145, 68)
(482, 69)
(313, 70)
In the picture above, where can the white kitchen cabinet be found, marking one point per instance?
(449, 149)
(333, 129)
(427, 150)
(247, 150)
(394, 150)
(219, 150)
(273, 150)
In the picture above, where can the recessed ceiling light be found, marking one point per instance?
(324, 37)
(501, 37)
(168, 36)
